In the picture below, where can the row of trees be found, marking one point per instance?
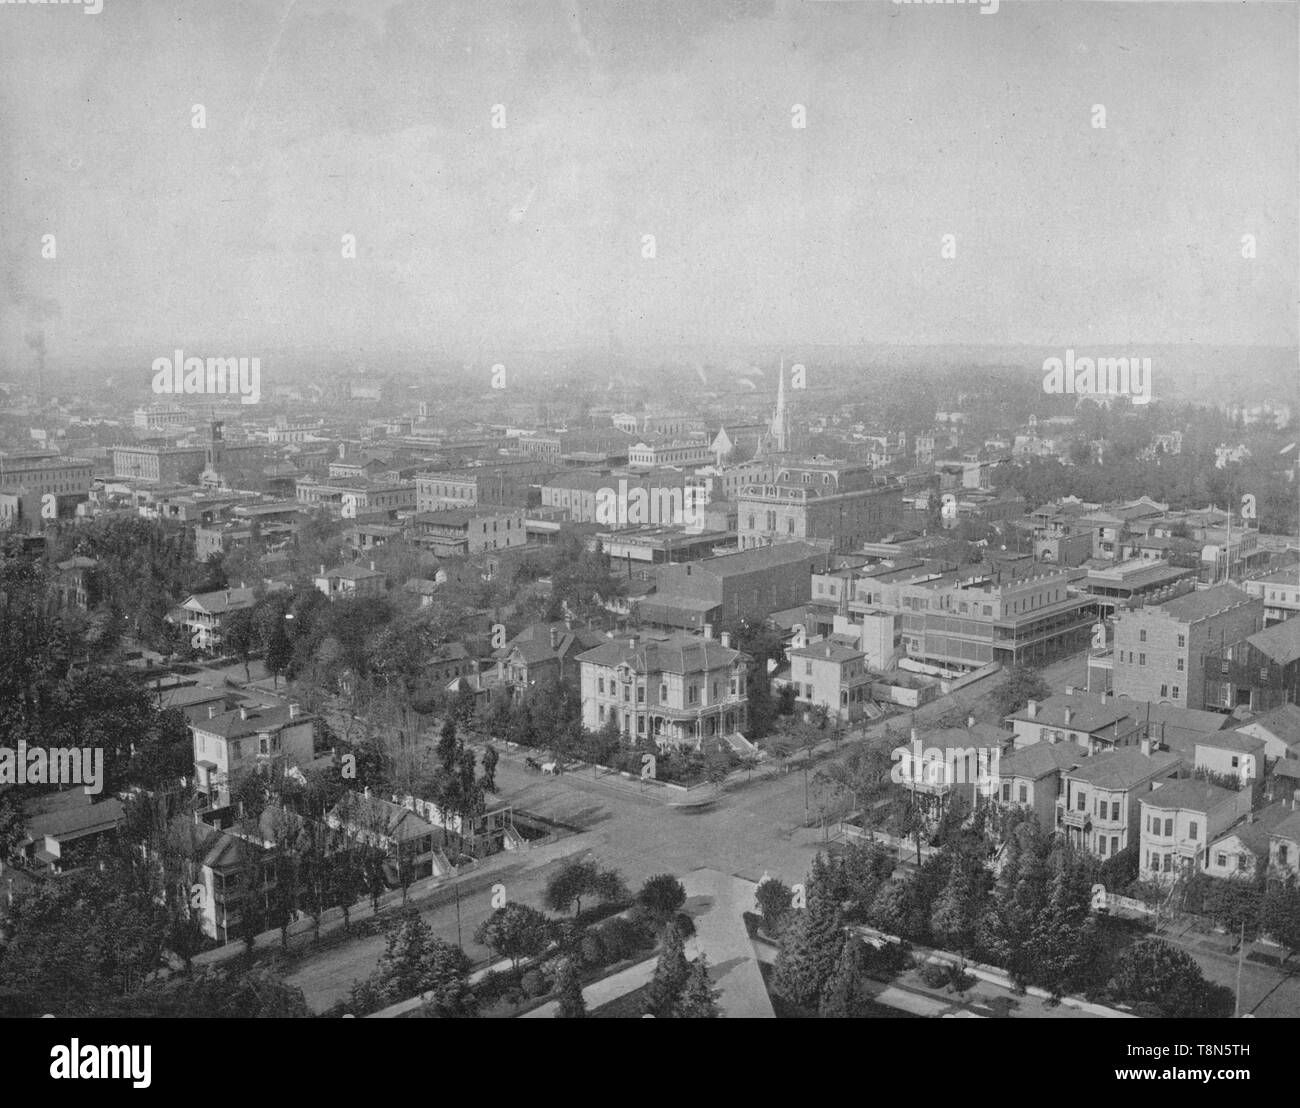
(1033, 920)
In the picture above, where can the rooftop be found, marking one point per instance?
(1039, 759)
(1281, 642)
(249, 721)
(679, 652)
(1191, 793)
(1202, 604)
(1124, 768)
(1087, 712)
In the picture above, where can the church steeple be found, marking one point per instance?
(781, 419)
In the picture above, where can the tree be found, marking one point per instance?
(1022, 685)
(576, 880)
(773, 898)
(845, 995)
(449, 745)
(415, 963)
(13, 825)
(239, 635)
(670, 976)
(568, 989)
(1062, 939)
(811, 944)
(1156, 972)
(698, 997)
(952, 921)
(81, 943)
(1234, 902)
(490, 760)
(279, 651)
(515, 931)
(1279, 915)
(662, 896)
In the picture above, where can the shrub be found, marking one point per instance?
(533, 984)
(622, 938)
(936, 975)
(592, 950)
(684, 924)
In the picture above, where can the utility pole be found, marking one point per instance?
(1241, 957)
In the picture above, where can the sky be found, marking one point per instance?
(373, 118)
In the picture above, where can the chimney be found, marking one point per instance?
(1144, 745)
(555, 637)
(1069, 690)
(294, 710)
(367, 792)
(1069, 715)
(212, 710)
(631, 644)
(322, 569)
(372, 566)
(708, 630)
(970, 721)
(726, 639)
(1033, 709)
(243, 711)
(196, 816)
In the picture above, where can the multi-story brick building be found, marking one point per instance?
(652, 452)
(679, 689)
(971, 620)
(492, 483)
(845, 503)
(747, 585)
(461, 532)
(1160, 650)
(170, 465)
(25, 482)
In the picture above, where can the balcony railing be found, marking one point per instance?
(1072, 817)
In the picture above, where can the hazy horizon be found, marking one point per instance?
(334, 117)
